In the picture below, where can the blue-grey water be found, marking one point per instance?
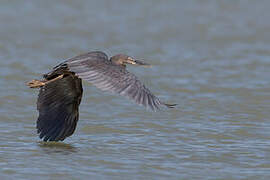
(210, 57)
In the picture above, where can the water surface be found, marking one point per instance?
(210, 57)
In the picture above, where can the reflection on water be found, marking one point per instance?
(57, 148)
(210, 57)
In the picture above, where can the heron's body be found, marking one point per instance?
(61, 90)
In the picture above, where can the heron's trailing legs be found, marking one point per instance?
(37, 83)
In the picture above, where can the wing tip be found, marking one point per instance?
(170, 105)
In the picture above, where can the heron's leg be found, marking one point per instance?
(39, 83)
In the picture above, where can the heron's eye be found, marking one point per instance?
(130, 58)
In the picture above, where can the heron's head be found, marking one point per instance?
(123, 60)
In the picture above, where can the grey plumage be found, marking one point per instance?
(96, 68)
(58, 101)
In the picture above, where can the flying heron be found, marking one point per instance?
(61, 90)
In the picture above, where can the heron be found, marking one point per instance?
(60, 90)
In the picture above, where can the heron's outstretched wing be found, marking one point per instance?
(58, 104)
(95, 68)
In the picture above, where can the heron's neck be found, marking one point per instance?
(119, 64)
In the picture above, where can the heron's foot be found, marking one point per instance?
(35, 83)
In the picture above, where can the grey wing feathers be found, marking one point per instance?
(110, 77)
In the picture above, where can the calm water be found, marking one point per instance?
(210, 57)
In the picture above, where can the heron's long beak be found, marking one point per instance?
(138, 62)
